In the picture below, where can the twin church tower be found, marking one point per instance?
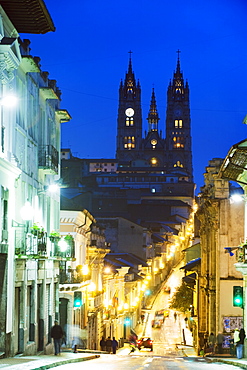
(151, 177)
(173, 153)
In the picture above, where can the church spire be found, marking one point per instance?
(129, 87)
(178, 72)
(130, 63)
(177, 86)
(153, 117)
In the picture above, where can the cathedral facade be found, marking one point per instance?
(172, 154)
(151, 176)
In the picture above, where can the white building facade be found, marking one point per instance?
(29, 164)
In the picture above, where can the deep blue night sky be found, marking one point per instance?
(88, 56)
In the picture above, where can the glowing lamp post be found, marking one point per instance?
(62, 245)
(9, 101)
(27, 211)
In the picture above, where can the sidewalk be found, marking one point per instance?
(241, 363)
(44, 361)
(188, 351)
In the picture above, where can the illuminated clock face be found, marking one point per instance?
(129, 112)
(153, 142)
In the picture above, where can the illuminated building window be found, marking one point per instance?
(154, 162)
(129, 121)
(178, 164)
(130, 86)
(178, 142)
(129, 142)
(178, 123)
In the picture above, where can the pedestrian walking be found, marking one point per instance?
(74, 345)
(114, 345)
(236, 340)
(57, 334)
(211, 342)
(132, 347)
(240, 352)
(108, 344)
(102, 344)
(220, 340)
(63, 341)
(175, 316)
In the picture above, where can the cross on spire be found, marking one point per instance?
(130, 62)
(178, 51)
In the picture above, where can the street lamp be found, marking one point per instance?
(63, 245)
(9, 101)
(107, 270)
(238, 198)
(92, 287)
(27, 211)
(85, 270)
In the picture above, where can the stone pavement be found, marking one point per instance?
(44, 361)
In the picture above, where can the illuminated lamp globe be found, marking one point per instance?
(63, 245)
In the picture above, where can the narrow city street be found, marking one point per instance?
(167, 347)
(174, 331)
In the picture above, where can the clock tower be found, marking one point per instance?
(129, 126)
(178, 126)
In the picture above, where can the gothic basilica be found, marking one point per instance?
(172, 154)
(151, 176)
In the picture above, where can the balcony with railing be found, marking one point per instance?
(68, 275)
(29, 245)
(48, 159)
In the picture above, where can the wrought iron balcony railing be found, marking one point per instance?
(27, 244)
(71, 276)
(48, 159)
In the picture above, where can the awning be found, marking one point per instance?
(157, 237)
(191, 278)
(190, 265)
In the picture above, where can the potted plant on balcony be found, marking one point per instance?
(68, 237)
(37, 230)
(69, 269)
(54, 236)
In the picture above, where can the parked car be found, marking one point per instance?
(145, 342)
